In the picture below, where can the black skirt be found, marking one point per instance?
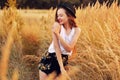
(49, 63)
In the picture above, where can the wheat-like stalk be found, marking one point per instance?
(98, 46)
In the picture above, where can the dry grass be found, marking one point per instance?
(98, 46)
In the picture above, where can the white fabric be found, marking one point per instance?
(66, 37)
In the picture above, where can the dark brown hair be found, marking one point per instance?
(71, 19)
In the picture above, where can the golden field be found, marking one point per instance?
(25, 35)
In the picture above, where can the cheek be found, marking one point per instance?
(65, 19)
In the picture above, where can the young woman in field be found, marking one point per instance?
(65, 34)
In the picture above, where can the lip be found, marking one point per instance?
(59, 21)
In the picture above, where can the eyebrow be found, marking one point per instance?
(59, 14)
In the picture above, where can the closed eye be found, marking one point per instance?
(60, 15)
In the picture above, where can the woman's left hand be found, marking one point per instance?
(56, 28)
(65, 74)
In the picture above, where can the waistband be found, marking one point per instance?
(54, 54)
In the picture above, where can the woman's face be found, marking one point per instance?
(61, 16)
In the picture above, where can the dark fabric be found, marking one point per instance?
(69, 7)
(49, 63)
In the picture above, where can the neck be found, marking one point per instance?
(67, 26)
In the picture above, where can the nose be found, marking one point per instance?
(58, 18)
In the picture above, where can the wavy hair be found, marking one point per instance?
(71, 19)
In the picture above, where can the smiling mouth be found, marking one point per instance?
(59, 21)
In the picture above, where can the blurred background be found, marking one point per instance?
(25, 35)
(47, 4)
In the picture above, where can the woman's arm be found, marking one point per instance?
(58, 51)
(69, 47)
(57, 47)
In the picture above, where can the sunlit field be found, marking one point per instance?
(25, 36)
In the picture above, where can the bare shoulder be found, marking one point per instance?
(56, 24)
(77, 30)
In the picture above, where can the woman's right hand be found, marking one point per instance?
(65, 74)
(56, 28)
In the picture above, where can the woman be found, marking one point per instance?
(65, 34)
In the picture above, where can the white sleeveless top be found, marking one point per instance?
(66, 37)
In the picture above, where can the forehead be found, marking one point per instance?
(61, 11)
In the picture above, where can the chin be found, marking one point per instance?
(60, 23)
